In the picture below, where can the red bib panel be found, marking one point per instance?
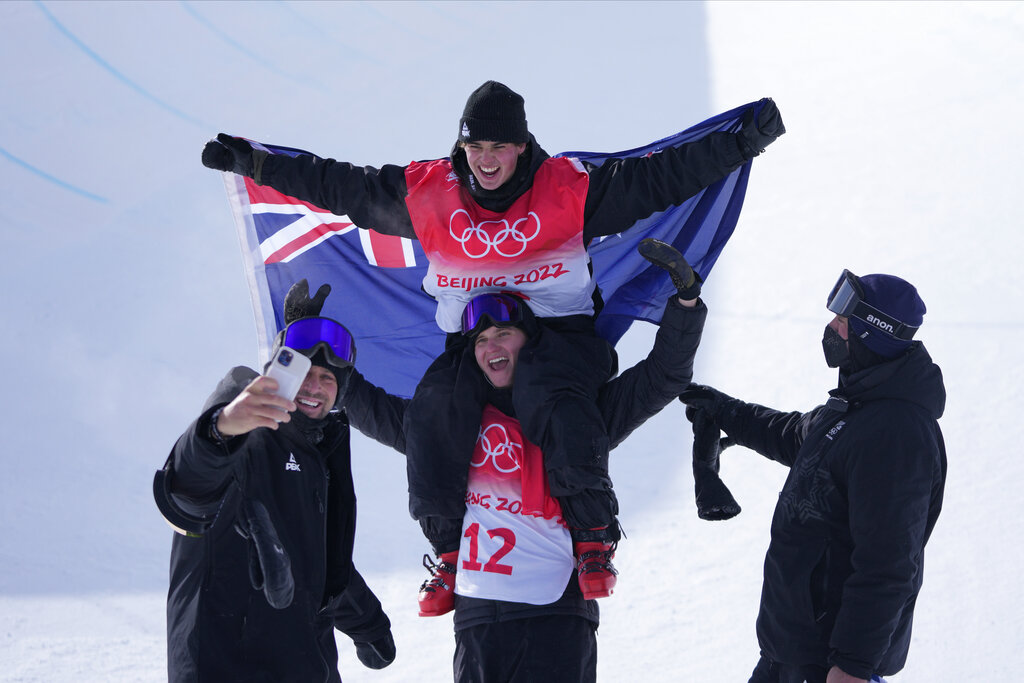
(535, 248)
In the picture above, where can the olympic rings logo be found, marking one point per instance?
(495, 445)
(508, 241)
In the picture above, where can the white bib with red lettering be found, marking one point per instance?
(514, 544)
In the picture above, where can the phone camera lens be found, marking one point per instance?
(285, 358)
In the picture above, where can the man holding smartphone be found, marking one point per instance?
(260, 488)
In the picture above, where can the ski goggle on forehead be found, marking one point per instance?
(500, 310)
(310, 334)
(847, 299)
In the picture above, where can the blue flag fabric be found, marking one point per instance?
(376, 279)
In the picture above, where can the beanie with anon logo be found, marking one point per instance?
(896, 298)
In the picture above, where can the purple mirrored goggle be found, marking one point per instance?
(482, 311)
(847, 299)
(307, 335)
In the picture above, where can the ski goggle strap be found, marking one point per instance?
(500, 310)
(307, 334)
(847, 299)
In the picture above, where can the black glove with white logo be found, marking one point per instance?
(754, 137)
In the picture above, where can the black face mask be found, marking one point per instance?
(837, 350)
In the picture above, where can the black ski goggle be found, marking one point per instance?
(847, 299)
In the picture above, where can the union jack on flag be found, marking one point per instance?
(376, 279)
(306, 226)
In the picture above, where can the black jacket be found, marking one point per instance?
(219, 628)
(867, 472)
(625, 403)
(621, 191)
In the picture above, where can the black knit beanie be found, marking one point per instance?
(494, 113)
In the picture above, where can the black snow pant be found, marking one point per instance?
(559, 648)
(558, 375)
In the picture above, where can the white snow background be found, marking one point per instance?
(123, 297)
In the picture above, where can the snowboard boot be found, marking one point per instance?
(437, 594)
(595, 569)
(667, 257)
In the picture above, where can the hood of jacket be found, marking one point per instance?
(912, 376)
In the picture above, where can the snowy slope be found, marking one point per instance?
(125, 301)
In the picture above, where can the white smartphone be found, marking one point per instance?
(289, 368)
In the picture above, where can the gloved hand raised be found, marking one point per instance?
(712, 401)
(667, 257)
(228, 153)
(755, 136)
(297, 303)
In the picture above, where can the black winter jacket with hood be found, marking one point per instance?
(867, 472)
(625, 403)
(220, 628)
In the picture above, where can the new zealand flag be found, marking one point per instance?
(376, 279)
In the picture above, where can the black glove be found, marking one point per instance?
(714, 500)
(297, 303)
(378, 654)
(667, 257)
(754, 138)
(708, 399)
(271, 568)
(228, 153)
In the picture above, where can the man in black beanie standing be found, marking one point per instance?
(501, 215)
(864, 490)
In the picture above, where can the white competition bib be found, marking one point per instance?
(505, 554)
